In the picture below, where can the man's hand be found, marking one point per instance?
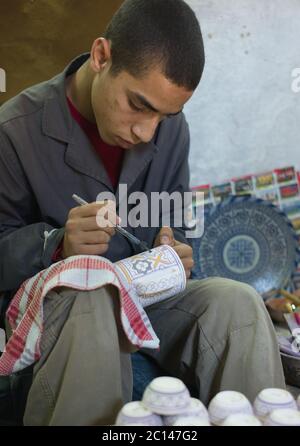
(89, 229)
(185, 252)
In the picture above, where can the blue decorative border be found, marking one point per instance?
(212, 211)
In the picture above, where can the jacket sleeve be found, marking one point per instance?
(26, 243)
(178, 182)
(181, 184)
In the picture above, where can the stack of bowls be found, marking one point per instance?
(241, 419)
(167, 402)
(283, 417)
(271, 399)
(135, 413)
(227, 403)
(196, 409)
(191, 421)
(166, 396)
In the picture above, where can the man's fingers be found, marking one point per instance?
(106, 218)
(183, 251)
(75, 226)
(188, 274)
(88, 224)
(107, 215)
(88, 210)
(104, 213)
(166, 236)
(188, 264)
(90, 238)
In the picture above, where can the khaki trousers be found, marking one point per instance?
(216, 335)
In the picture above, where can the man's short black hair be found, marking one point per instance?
(145, 34)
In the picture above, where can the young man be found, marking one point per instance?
(114, 116)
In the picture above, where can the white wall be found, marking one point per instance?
(244, 117)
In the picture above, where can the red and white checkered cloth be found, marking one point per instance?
(25, 313)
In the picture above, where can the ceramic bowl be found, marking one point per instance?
(166, 396)
(136, 413)
(271, 399)
(227, 403)
(191, 421)
(283, 417)
(241, 419)
(195, 409)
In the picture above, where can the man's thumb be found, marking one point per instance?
(166, 236)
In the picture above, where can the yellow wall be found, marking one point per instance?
(39, 37)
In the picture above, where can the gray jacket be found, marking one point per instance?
(45, 157)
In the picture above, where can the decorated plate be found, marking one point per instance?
(249, 240)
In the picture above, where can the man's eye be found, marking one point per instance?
(135, 107)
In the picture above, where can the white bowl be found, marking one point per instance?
(136, 413)
(227, 403)
(283, 417)
(241, 419)
(270, 399)
(191, 421)
(195, 409)
(166, 396)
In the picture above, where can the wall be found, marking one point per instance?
(244, 117)
(39, 37)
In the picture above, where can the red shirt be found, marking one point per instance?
(111, 156)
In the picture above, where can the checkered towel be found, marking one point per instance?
(25, 313)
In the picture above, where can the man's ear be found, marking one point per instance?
(100, 54)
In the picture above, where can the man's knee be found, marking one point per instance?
(80, 301)
(104, 305)
(75, 309)
(237, 302)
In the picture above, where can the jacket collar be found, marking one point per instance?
(58, 124)
(57, 120)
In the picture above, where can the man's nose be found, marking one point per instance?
(145, 129)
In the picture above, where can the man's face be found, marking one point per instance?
(128, 110)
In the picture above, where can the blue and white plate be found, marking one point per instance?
(249, 240)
